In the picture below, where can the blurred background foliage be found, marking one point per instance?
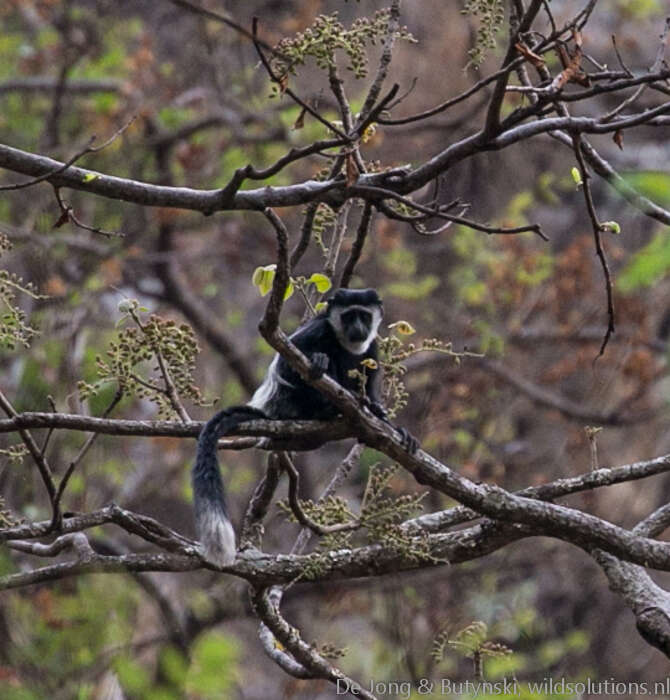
(536, 309)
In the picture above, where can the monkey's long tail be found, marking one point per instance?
(215, 531)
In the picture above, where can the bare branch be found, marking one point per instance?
(252, 527)
(384, 61)
(303, 653)
(296, 508)
(441, 520)
(493, 114)
(223, 19)
(357, 247)
(648, 601)
(278, 79)
(31, 445)
(439, 213)
(76, 541)
(332, 191)
(290, 435)
(603, 168)
(89, 148)
(101, 564)
(597, 235)
(57, 516)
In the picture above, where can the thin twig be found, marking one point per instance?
(384, 60)
(305, 234)
(382, 193)
(597, 235)
(305, 654)
(67, 214)
(50, 431)
(223, 19)
(77, 541)
(358, 244)
(277, 79)
(259, 503)
(296, 508)
(36, 453)
(343, 469)
(89, 148)
(57, 517)
(339, 233)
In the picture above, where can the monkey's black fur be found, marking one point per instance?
(336, 341)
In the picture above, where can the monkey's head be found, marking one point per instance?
(355, 315)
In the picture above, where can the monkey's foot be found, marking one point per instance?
(409, 442)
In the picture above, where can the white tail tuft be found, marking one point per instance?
(217, 537)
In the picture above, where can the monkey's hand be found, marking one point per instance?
(409, 442)
(319, 366)
(375, 408)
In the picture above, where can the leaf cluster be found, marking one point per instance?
(330, 651)
(470, 641)
(7, 518)
(381, 516)
(393, 352)
(324, 220)
(326, 36)
(326, 513)
(14, 329)
(491, 15)
(15, 453)
(146, 358)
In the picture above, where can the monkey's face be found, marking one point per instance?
(355, 326)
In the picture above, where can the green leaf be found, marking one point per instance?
(321, 282)
(403, 327)
(610, 227)
(263, 278)
(576, 176)
(321, 306)
(90, 177)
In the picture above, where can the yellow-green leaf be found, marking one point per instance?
(263, 278)
(610, 227)
(90, 177)
(321, 282)
(576, 176)
(403, 327)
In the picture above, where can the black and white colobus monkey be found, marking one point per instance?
(335, 341)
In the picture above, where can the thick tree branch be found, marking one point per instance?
(605, 476)
(309, 659)
(332, 191)
(648, 601)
